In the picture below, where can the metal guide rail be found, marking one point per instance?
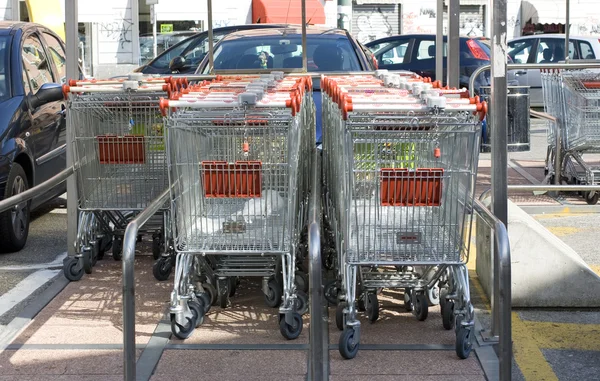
(400, 162)
(238, 151)
(119, 148)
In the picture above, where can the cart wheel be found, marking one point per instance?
(105, 245)
(86, 257)
(206, 301)
(372, 308)
(443, 300)
(117, 248)
(448, 314)
(463, 343)
(408, 304)
(592, 200)
(348, 346)
(301, 281)
(339, 316)
(433, 295)
(95, 251)
(331, 292)
(233, 283)
(361, 305)
(421, 308)
(302, 267)
(157, 247)
(291, 332)
(182, 331)
(273, 295)
(223, 292)
(71, 269)
(162, 269)
(197, 309)
(212, 292)
(301, 304)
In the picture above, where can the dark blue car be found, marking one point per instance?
(32, 121)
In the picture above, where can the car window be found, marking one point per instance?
(587, 53)
(58, 55)
(26, 86)
(329, 53)
(552, 50)
(193, 50)
(390, 53)
(4, 94)
(36, 62)
(425, 50)
(194, 54)
(519, 51)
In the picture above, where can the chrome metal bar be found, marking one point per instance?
(211, 62)
(439, 42)
(319, 344)
(502, 277)
(567, 28)
(304, 52)
(542, 115)
(563, 188)
(129, 240)
(498, 106)
(453, 64)
(37, 190)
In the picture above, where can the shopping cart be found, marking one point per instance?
(121, 166)
(573, 97)
(237, 153)
(400, 169)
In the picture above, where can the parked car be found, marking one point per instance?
(191, 51)
(327, 50)
(164, 41)
(547, 48)
(32, 121)
(416, 53)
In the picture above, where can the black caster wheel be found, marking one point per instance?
(197, 309)
(463, 342)
(233, 283)
(183, 331)
(372, 308)
(274, 293)
(348, 346)
(86, 258)
(408, 304)
(433, 295)
(421, 308)
(117, 249)
(331, 292)
(591, 200)
(443, 300)
(72, 270)
(212, 292)
(162, 269)
(301, 302)
(157, 246)
(96, 251)
(301, 281)
(291, 332)
(206, 301)
(448, 314)
(340, 319)
(223, 292)
(105, 245)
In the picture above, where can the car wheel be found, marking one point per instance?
(14, 223)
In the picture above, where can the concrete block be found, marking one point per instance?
(545, 271)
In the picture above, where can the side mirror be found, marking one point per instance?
(49, 92)
(177, 63)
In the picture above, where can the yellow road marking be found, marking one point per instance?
(548, 335)
(561, 231)
(596, 269)
(527, 353)
(564, 213)
(479, 289)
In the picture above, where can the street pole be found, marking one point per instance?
(304, 52)
(439, 42)
(453, 65)
(567, 28)
(345, 15)
(155, 42)
(210, 39)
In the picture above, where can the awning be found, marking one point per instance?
(287, 11)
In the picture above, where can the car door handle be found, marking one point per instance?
(520, 72)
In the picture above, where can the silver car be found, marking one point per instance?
(547, 48)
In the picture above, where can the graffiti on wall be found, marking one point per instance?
(373, 26)
(421, 22)
(590, 26)
(119, 30)
(471, 28)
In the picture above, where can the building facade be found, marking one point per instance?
(114, 34)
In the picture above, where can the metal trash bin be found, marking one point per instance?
(518, 119)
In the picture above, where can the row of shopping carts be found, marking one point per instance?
(400, 160)
(234, 153)
(573, 97)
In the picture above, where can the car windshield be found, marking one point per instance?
(324, 53)
(162, 61)
(4, 95)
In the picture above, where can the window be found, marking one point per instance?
(426, 50)
(26, 86)
(58, 55)
(519, 51)
(586, 51)
(4, 93)
(36, 63)
(552, 50)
